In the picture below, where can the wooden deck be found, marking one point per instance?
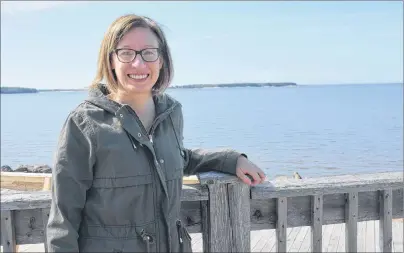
(298, 239)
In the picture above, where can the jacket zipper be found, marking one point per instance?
(182, 232)
(154, 125)
(147, 238)
(158, 119)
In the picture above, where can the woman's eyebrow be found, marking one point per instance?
(126, 46)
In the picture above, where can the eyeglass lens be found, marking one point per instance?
(128, 55)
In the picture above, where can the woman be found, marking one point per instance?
(120, 160)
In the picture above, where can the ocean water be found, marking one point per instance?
(315, 130)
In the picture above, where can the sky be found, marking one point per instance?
(54, 45)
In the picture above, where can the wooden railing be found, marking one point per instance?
(225, 210)
(26, 181)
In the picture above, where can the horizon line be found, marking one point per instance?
(179, 85)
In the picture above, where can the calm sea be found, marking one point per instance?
(315, 130)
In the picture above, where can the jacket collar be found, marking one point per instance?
(98, 96)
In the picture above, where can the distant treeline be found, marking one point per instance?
(49, 90)
(15, 90)
(232, 85)
(12, 90)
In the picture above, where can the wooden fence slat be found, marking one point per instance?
(317, 223)
(219, 221)
(351, 222)
(8, 232)
(263, 211)
(385, 222)
(239, 206)
(45, 217)
(281, 224)
(205, 225)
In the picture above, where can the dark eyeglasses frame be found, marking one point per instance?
(136, 53)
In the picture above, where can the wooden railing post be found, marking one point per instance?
(351, 222)
(281, 224)
(45, 217)
(219, 219)
(227, 219)
(239, 205)
(385, 222)
(317, 223)
(8, 232)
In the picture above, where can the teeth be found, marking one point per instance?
(138, 76)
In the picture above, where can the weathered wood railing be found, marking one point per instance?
(226, 210)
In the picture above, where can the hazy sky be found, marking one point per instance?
(55, 44)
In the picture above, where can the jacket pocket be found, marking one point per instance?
(122, 181)
(118, 238)
(100, 245)
(184, 238)
(119, 200)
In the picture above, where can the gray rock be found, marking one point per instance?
(28, 168)
(6, 168)
(21, 168)
(40, 169)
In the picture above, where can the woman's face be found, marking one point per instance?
(137, 74)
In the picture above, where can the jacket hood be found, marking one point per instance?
(98, 97)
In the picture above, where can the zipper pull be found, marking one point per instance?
(151, 138)
(179, 231)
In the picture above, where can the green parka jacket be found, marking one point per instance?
(117, 187)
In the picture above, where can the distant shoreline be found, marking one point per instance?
(231, 85)
(20, 90)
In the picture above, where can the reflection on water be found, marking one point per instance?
(316, 130)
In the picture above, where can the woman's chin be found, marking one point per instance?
(139, 87)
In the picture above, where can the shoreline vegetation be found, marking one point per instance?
(19, 90)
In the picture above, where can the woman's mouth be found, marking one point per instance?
(139, 77)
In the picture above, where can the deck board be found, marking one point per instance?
(398, 236)
(299, 239)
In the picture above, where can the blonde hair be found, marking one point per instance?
(113, 35)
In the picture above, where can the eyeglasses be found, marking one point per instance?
(126, 55)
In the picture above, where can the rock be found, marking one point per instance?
(6, 168)
(41, 169)
(296, 175)
(21, 168)
(28, 168)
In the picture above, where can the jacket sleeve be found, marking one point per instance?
(203, 160)
(71, 177)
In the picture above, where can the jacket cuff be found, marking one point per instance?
(230, 162)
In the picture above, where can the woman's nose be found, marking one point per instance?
(138, 61)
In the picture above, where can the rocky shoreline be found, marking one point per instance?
(43, 168)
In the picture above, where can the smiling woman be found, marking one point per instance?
(120, 161)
